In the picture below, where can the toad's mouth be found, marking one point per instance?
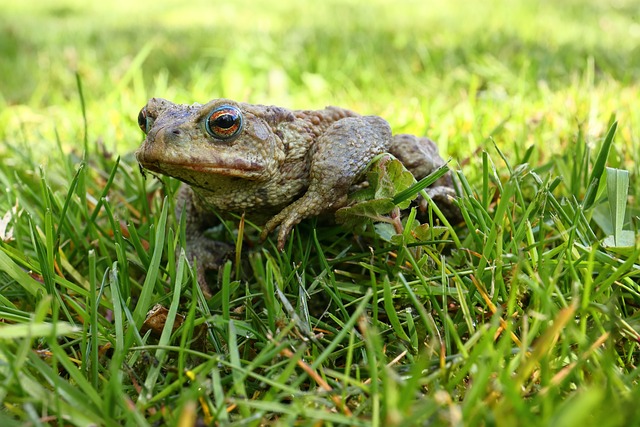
(195, 165)
(187, 171)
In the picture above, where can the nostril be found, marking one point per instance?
(176, 131)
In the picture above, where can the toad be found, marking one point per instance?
(276, 165)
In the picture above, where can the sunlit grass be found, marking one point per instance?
(518, 316)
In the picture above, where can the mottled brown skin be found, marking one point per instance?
(272, 163)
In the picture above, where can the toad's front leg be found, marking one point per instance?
(209, 254)
(341, 156)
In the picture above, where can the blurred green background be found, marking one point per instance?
(448, 68)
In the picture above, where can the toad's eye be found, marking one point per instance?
(224, 122)
(144, 120)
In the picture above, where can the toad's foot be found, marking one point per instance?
(420, 156)
(209, 255)
(310, 204)
(444, 197)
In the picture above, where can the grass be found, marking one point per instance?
(518, 316)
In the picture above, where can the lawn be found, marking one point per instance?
(525, 313)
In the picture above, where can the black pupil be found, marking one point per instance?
(225, 121)
(142, 119)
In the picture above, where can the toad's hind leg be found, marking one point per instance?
(421, 157)
(340, 157)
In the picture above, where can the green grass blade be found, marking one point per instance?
(19, 275)
(144, 300)
(617, 190)
(598, 167)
